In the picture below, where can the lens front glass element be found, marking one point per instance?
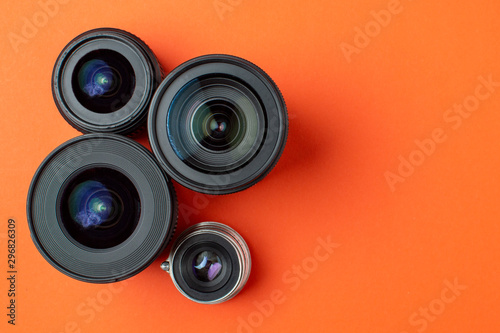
(207, 266)
(99, 208)
(215, 124)
(103, 81)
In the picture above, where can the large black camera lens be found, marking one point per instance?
(100, 208)
(103, 81)
(218, 124)
(209, 263)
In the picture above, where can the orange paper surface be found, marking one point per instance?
(382, 214)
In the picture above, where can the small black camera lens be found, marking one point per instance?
(100, 208)
(218, 124)
(103, 81)
(209, 263)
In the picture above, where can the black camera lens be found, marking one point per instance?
(100, 208)
(218, 124)
(103, 81)
(209, 263)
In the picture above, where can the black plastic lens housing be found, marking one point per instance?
(218, 124)
(100, 209)
(209, 263)
(103, 81)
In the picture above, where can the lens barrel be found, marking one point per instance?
(103, 81)
(217, 124)
(100, 209)
(209, 263)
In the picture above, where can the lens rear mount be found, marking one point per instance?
(103, 81)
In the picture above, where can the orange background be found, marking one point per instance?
(351, 118)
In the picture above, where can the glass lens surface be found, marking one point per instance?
(207, 266)
(103, 81)
(99, 208)
(215, 124)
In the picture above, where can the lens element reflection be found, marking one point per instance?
(91, 205)
(207, 266)
(97, 78)
(103, 81)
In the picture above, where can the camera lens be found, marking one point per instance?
(100, 208)
(218, 124)
(103, 81)
(209, 263)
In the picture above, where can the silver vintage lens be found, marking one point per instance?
(209, 263)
